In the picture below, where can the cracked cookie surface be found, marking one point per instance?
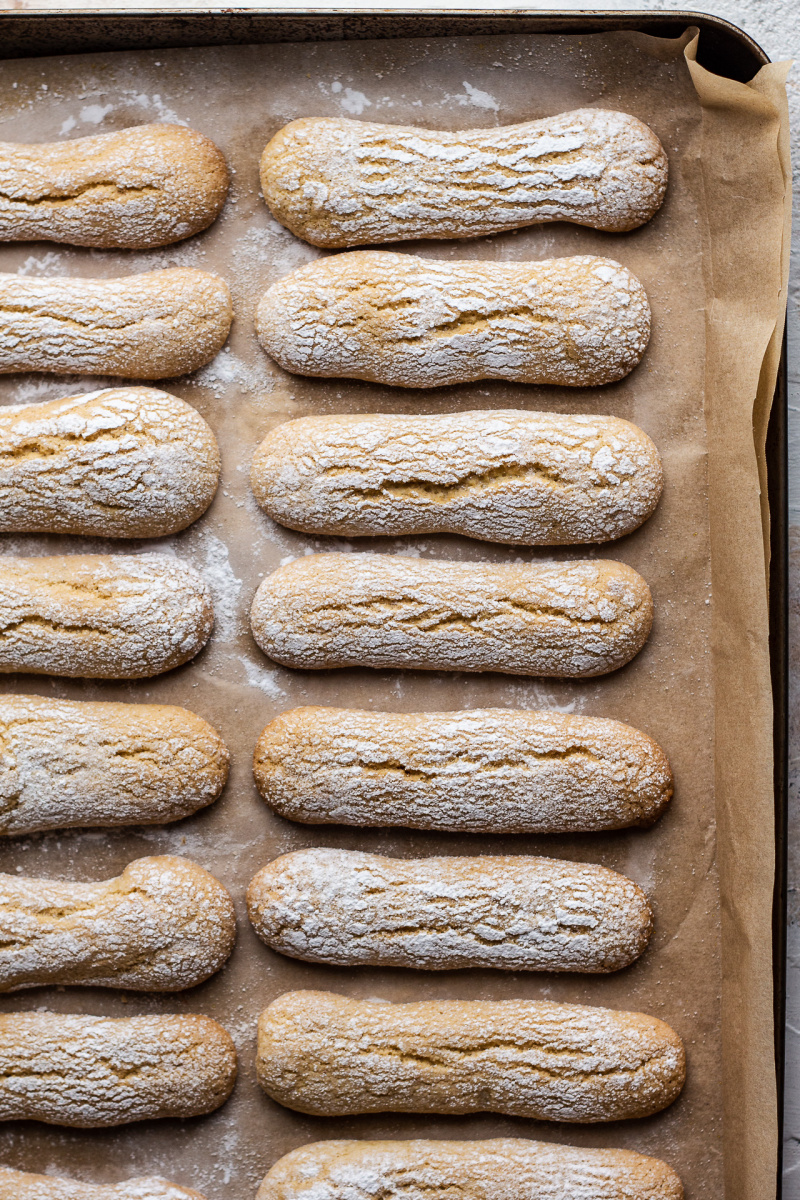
(164, 924)
(21, 1185)
(491, 1169)
(325, 1054)
(82, 763)
(514, 912)
(96, 1072)
(417, 322)
(150, 326)
(123, 462)
(338, 183)
(101, 616)
(575, 619)
(136, 188)
(491, 770)
(502, 476)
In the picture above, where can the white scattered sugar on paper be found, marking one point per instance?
(225, 586)
(51, 262)
(479, 98)
(259, 677)
(95, 113)
(350, 99)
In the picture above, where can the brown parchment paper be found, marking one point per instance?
(746, 262)
(711, 262)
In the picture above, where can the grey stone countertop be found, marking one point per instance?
(775, 25)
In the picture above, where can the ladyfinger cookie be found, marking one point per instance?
(136, 188)
(502, 476)
(514, 912)
(93, 1072)
(490, 770)
(417, 322)
(124, 462)
(163, 925)
(73, 763)
(327, 1055)
(20, 1185)
(338, 183)
(150, 326)
(496, 1169)
(379, 610)
(101, 616)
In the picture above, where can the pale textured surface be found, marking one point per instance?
(124, 462)
(376, 610)
(495, 1169)
(141, 187)
(20, 1185)
(349, 183)
(513, 912)
(527, 478)
(67, 763)
(416, 322)
(499, 770)
(322, 1053)
(149, 326)
(164, 924)
(101, 616)
(93, 1072)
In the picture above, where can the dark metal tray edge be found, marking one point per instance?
(723, 49)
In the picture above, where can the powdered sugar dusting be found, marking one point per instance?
(484, 770)
(146, 186)
(224, 584)
(347, 183)
(478, 98)
(101, 616)
(326, 1054)
(414, 322)
(163, 925)
(520, 914)
(173, 1066)
(149, 326)
(123, 462)
(19, 1185)
(503, 1168)
(577, 619)
(502, 476)
(258, 677)
(66, 764)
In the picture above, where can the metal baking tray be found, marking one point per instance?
(723, 49)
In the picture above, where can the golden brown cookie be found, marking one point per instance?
(94, 1072)
(328, 1055)
(422, 323)
(486, 770)
(73, 763)
(578, 619)
(164, 924)
(502, 476)
(20, 1185)
(495, 1169)
(123, 462)
(101, 616)
(513, 912)
(137, 188)
(337, 183)
(151, 326)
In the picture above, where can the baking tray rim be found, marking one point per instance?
(186, 27)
